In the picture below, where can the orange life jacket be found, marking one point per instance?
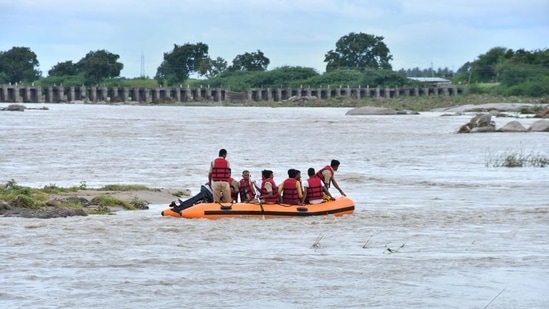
(290, 194)
(314, 191)
(220, 171)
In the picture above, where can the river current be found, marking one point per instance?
(434, 227)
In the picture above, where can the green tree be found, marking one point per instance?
(99, 65)
(359, 51)
(254, 61)
(183, 60)
(19, 64)
(215, 67)
(63, 68)
(484, 68)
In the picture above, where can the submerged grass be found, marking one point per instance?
(516, 159)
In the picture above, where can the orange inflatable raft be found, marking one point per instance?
(338, 207)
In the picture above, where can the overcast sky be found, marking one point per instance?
(419, 33)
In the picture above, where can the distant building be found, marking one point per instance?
(432, 81)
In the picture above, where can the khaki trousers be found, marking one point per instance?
(221, 192)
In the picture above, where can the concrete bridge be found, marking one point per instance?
(60, 94)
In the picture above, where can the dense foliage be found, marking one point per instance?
(94, 68)
(517, 72)
(359, 51)
(183, 60)
(359, 60)
(255, 61)
(18, 64)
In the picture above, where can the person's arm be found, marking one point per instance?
(299, 192)
(305, 191)
(327, 192)
(337, 186)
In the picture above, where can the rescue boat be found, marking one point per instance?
(338, 207)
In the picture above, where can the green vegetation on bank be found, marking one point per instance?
(36, 198)
(410, 103)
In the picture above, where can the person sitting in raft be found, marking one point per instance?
(290, 191)
(246, 188)
(314, 191)
(268, 192)
(233, 184)
(327, 175)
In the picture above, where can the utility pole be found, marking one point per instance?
(142, 73)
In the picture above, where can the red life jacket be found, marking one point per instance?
(247, 191)
(220, 171)
(326, 168)
(314, 191)
(289, 193)
(264, 191)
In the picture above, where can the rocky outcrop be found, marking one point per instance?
(489, 107)
(513, 126)
(482, 123)
(479, 124)
(539, 126)
(14, 108)
(8, 210)
(370, 110)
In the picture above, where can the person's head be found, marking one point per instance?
(246, 174)
(334, 164)
(291, 173)
(297, 174)
(265, 174)
(311, 172)
(223, 153)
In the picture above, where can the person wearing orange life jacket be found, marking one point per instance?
(246, 188)
(268, 192)
(290, 191)
(327, 175)
(233, 185)
(218, 178)
(314, 189)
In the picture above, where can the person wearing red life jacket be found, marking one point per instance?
(268, 192)
(233, 185)
(314, 189)
(218, 178)
(290, 191)
(327, 175)
(246, 188)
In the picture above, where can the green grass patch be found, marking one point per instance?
(107, 200)
(22, 196)
(119, 187)
(36, 198)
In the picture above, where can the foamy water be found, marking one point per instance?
(463, 235)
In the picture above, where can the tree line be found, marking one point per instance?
(358, 60)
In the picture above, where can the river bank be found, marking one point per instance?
(37, 203)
